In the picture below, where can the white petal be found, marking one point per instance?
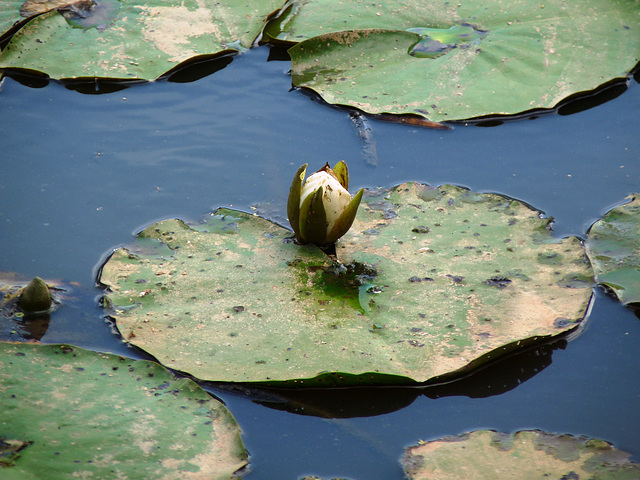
(335, 198)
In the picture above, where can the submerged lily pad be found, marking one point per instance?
(432, 281)
(526, 455)
(71, 413)
(613, 246)
(133, 39)
(457, 60)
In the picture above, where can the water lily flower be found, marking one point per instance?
(322, 210)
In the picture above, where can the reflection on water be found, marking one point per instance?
(494, 379)
(23, 327)
(33, 326)
(501, 376)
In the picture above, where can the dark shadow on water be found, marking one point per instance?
(199, 67)
(495, 378)
(189, 71)
(501, 376)
(581, 102)
(28, 78)
(576, 103)
(85, 85)
(98, 86)
(34, 326)
(30, 327)
(278, 53)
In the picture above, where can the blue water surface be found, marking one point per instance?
(81, 174)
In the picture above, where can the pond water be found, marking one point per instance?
(82, 173)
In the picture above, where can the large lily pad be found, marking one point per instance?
(432, 281)
(613, 246)
(458, 60)
(136, 39)
(526, 455)
(71, 413)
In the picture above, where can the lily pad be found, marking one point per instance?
(433, 281)
(133, 39)
(613, 246)
(525, 455)
(70, 413)
(457, 60)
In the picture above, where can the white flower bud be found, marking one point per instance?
(335, 198)
(321, 210)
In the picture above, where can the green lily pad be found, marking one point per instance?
(133, 39)
(10, 13)
(613, 246)
(68, 412)
(526, 455)
(432, 281)
(457, 60)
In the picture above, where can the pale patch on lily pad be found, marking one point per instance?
(526, 455)
(433, 282)
(122, 418)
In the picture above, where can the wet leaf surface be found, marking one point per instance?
(613, 246)
(432, 281)
(525, 455)
(129, 39)
(451, 61)
(68, 412)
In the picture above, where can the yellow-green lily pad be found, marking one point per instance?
(613, 246)
(71, 413)
(448, 61)
(433, 281)
(526, 455)
(132, 39)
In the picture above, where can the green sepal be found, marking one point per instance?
(346, 219)
(293, 203)
(342, 174)
(313, 219)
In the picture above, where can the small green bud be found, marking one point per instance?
(35, 297)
